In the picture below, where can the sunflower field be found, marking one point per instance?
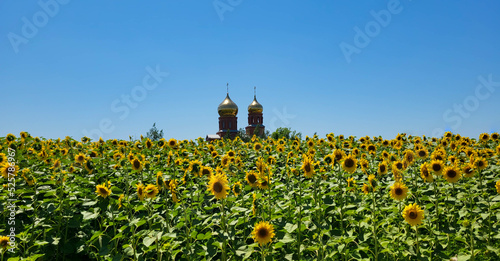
(331, 198)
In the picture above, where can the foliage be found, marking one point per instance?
(182, 200)
(154, 134)
(286, 133)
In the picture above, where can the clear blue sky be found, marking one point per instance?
(66, 68)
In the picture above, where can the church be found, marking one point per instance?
(228, 122)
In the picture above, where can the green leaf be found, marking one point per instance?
(148, 241)
(89, 215)
(290, 227)
(287, 239)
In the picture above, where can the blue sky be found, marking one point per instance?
(347, 67)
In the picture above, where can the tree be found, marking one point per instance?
(243, 135)
(154, 134)
(285, 133)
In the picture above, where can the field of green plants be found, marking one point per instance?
(330, 198)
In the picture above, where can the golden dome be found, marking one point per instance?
(255, 106)
(227, 107)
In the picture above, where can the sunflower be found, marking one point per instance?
(371, 149)
(497, 185)
(351, 183)
(307, 167)
(480, 163)
(424, 173)
(225, 161)
(364, 164)
(366, 188)
(328, 159)
(102, 190)
(398, 166)
(263, 232)
(468, 170)
(349, 164)
(257, 146)
(436, 166)
(4, 242)
(382, 168)
(251, 178)
(172, 143)
(80, 158)
(7, 170)
(89, 166)
(338, 154)
(237, 188)
(136, 164)
(372, 181)
(218, 185)
(409, 156)
(10, 137)
(151, 191)
(206, 171)
(254, 204)
(120, 199)
(195, 167)
(398, 191)
(3, 158)
(484, 137)
(93, 154)
(263, 183)
(413, 214)
(140, 191)
(451, 174)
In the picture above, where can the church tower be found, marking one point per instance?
(255, 118)
(228, 122)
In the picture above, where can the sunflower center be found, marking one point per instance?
(349, 163)
(103, 191)
(452, 173)
(413, 215)
(252, 178)
(382, 168)
(399, 165)
(436, 167)
(80, 158)
(398, 191)
(217, 187)
(480, 163)
(137, 164)
(205, 172)
(307, 167)
(262, 233)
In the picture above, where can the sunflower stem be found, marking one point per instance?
(416, 236)
(300, 218)
(375, 239)
(223, 222)
(471, 229)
